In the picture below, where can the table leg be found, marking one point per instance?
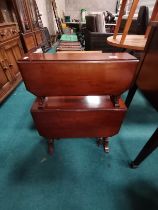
(149, 147)
(105, 142)
(130, 95)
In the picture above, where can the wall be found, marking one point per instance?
(73, 7)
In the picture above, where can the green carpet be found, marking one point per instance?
(80, 176)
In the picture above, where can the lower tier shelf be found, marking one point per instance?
(78, 116)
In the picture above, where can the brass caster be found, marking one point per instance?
(106, 144)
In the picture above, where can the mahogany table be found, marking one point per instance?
(78, 94)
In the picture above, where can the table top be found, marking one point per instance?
(133, 42)
(93, 57)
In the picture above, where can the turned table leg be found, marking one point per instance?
(50, 146)
(99, 141)
(105, 142)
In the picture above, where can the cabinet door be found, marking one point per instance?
(33, 14)
(7, 14)
(22, 15)
(39, 37)
(5, 78)
(30, 41)
(12, 51)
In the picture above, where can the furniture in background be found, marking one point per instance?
(57, 18)
(147, 75)
(110, 27)
(128, 41)
(10, 49)
(69, 42)
(139, 24)
(76, 25)
(69, 46)
(78, 94)
(147, 81)
(95, 37)
(47, 40)
(21, 30)
(95, 40)
(30, 24)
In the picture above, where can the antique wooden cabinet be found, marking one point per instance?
(10, 49)
(21, 30)
(29, 20)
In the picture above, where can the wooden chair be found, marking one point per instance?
(78, 94)
(133, 42)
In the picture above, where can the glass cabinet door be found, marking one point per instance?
(23, 14)
(6, 12)
(34, 16)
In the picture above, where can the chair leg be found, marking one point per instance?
(50, 146)
(149, 147)
(130, 95)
